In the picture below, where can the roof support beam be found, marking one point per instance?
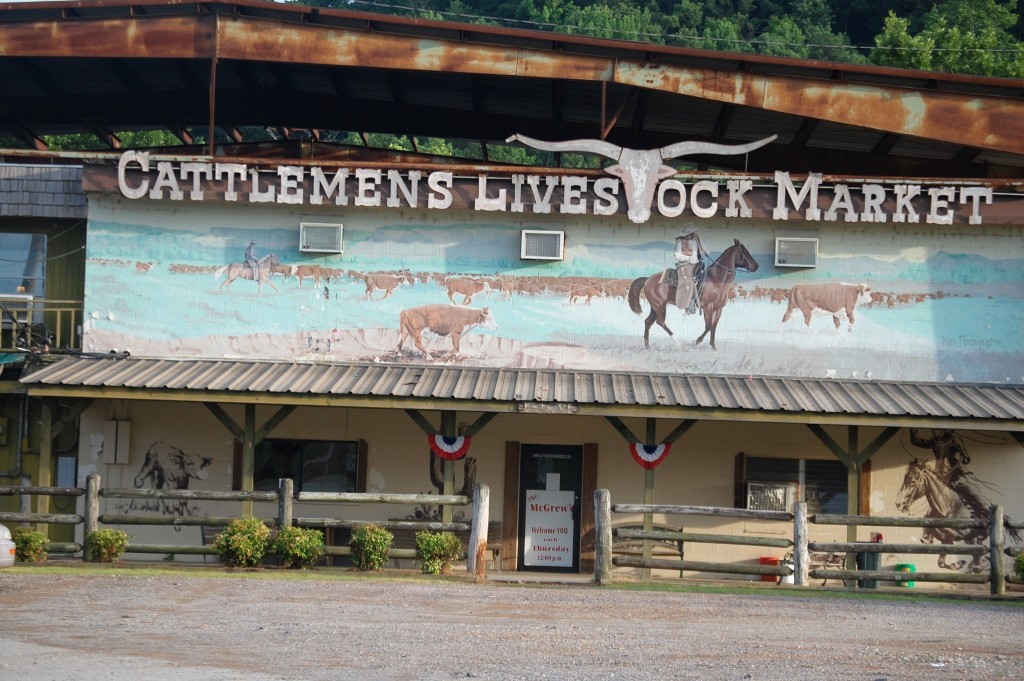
(984, 122)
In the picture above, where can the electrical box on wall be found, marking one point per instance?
(116, 439)
(796, 252)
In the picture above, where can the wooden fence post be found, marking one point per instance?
(475, 561)
(801, 554)
(603, 532)
(997, 538)
(285, 491)
(92, 511)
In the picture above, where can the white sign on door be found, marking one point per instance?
(549, 528)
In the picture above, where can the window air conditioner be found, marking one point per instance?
(771, 496)
(542, 245)
(320, 237)
(796, 252)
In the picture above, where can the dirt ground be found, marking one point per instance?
(61, 625)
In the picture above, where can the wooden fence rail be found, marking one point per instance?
(92, 519)
(45, 518)
(606, 532)
(994, 526)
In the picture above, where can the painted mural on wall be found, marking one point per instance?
(168, 280)
(948, 489)
(167, 467)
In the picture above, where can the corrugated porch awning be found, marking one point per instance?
(728, 398)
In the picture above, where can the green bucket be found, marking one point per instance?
(905, 567)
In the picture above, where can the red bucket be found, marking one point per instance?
(769, 560)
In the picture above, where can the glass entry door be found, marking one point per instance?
(550, 488)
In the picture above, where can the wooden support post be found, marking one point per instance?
(852, 486)
(997, 539)
(286, 493)
(603, 536)
(44, 474)
(649, 497)
(92, 511)
(248, 456)
(448, 429)
(801, 554)
(476, 562)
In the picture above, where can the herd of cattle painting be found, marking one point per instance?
(459, 293)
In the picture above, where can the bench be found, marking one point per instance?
(820, 561)
(406, 539)
(209, 534)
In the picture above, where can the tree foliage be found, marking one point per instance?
(957, 36)
(961, 36)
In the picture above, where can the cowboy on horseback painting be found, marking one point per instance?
(250, 259)
(689, 253)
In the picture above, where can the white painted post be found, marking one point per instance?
(801, 554)
(603, 534)
(92, 511)
(476, 563)
(997, 539)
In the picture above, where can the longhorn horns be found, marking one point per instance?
(614, 151)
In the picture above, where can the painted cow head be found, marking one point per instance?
(641, 169)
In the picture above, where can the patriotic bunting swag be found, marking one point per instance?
(449, 448)
(649, 456)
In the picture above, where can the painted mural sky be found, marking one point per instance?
(951, 312)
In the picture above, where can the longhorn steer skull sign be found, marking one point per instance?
(641, 169)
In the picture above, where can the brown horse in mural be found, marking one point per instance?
(714, 293)
(240, 270)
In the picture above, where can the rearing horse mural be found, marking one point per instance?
(714, 295)
(950, 491)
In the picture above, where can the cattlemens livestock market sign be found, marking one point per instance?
(636, 186)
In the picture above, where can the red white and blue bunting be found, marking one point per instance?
(649, 456)
(449, 448)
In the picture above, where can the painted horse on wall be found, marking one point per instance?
(949, 494)
(241, 270)
(714, 294)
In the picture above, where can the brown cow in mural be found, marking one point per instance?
(300, 272)
(465, 287)
(834, 299)
(442, 320)
(386, 282)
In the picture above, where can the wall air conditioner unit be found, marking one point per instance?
(542, 245)
(771, 496)
(320, 237)
(796, 252)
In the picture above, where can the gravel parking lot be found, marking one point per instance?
(189, 626)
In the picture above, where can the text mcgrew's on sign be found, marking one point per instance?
(138, 177)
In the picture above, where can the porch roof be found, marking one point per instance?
(511, 390)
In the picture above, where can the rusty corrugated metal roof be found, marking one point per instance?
(117, 65)
(526, 389)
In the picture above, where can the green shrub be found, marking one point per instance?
(29, 545)
(299, 547)
(436, 551)
(1018, 565)
(243, 543)
(106, 545)
(370, 545)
